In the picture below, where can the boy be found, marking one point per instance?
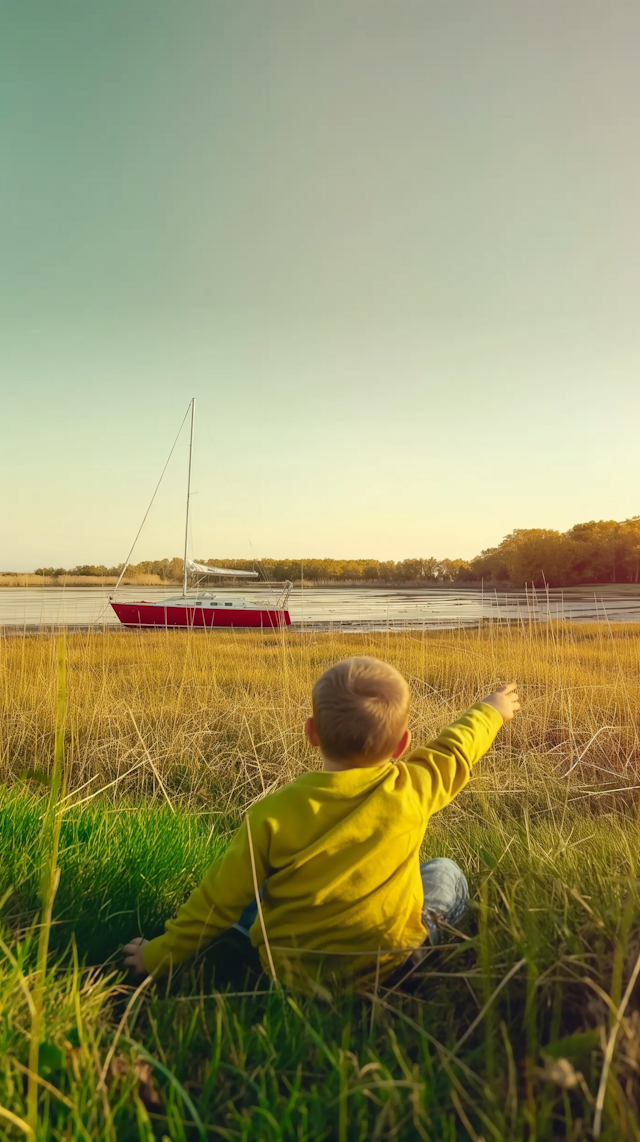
(337, 850)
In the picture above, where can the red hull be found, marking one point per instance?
(156, 615)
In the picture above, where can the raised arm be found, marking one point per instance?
(443, 767)
(215, 904)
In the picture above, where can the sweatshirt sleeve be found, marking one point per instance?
(215, 904)
(443, 767)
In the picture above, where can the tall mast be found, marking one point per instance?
(186, 528)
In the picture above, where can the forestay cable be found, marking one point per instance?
(152, 499)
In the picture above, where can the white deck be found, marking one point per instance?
(208, 602)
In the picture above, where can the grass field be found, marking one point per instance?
(523, 1025)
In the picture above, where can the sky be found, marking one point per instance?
(393, 250)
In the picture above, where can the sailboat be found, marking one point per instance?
(186, 611)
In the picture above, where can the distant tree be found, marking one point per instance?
(465, 573)
(450, 570)
(604, 550)
(416, 570)
(90, 569)
(538, 555)
(388, 570)
(631, 538)
(312, 569)
(490, 564)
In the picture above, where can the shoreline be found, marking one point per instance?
(488, 586)
(346, 626)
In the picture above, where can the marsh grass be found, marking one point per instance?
(499, 1033)
(135, 579)
(218, 716)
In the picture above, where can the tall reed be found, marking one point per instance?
(216, 718)
(49, 879)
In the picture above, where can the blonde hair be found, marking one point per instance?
(360, 710)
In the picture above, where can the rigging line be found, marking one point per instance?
(152, 499)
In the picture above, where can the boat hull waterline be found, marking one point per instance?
(187, 617)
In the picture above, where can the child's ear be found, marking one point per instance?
(404, 743)
(310, 733)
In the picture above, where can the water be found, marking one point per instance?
(353, 608)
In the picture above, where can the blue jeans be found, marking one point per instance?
(446, 895)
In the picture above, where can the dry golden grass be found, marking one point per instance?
(28, 580)
(214, 720)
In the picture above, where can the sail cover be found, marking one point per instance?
(204, 569)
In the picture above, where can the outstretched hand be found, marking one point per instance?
(133, 955)
(505, 701)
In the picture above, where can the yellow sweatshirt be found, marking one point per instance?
(340, 854)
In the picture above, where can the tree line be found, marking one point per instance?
(169, 569)
(600, 551)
